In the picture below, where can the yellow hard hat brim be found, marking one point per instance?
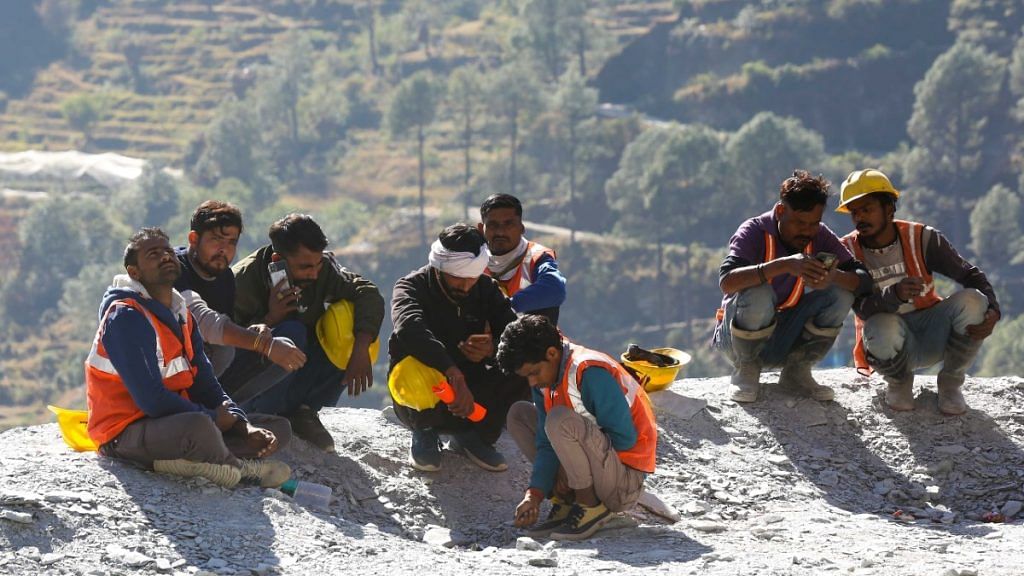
(74, 428)
(842, 208)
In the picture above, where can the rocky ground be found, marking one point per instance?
(784, 487)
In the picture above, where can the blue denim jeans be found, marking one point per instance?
(923, 334)
(269, 389)
(754, 309)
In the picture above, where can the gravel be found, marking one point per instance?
(783, 486)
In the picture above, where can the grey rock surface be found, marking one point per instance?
(762, 493)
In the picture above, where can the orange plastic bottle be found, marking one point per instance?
(447, 395)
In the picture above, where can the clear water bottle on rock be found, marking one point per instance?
(308, 494)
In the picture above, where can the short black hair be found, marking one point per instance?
(131, 251)
(502, 200)
(294, 230)
(803, 192)
(462, 237)
(214, 214)
(526, 340)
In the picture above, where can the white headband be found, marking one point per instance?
(458, 264)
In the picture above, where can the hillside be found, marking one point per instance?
(163, 67)
(786, 486)
(847, 74)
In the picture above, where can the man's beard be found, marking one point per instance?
(453, 293)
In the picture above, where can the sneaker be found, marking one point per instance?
(270, 473)
(224, 475)
(425, 453)
(582, 522)
(556, 517)
(478, 451)
(306, 424)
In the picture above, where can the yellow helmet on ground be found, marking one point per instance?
(74, 428)
(335, 332)
(860, 183)
(658, 377)
(411, 383)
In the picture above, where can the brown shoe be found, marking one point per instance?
(306, 424)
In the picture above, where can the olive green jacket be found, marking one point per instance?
(333, 283)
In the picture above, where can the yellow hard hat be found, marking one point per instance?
(860, 183)
(411, 383)
(658, 377)
(74, 427)
(335, 332)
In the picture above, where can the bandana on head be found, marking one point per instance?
(458, 264)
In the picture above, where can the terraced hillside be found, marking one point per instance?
(160, 68)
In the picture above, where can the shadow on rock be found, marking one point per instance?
(827, 445)
(964, 466)
(643, 546)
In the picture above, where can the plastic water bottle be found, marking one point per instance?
(308, 494)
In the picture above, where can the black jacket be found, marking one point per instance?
(429, 326)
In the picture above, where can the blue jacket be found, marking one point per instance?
(130, 343)
(602, 397)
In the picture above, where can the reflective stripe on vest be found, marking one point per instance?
(911, 235)
(111, 406)
(524, 272)
(770, 253)
(167, 369)
(567, 393)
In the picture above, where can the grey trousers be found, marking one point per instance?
(189, 436)
(584, 452)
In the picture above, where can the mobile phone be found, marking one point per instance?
(826, 258)
(278, 271)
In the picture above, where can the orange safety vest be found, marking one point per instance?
(642, 455)
(911, 236)
(771, 253)
(524, 271)
(111, 407)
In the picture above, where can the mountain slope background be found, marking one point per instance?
(639, 135)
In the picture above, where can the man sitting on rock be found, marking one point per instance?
(443, 315)
(903, 325)
(152, 395)
(589, 431)
(768, 317)
(208, 286)
(292, 307)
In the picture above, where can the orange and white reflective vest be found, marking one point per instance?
(523, 276)
(567, 393)
(771, 252)
(911, 236)
(111, 407)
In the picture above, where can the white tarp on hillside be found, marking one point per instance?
(108, 170)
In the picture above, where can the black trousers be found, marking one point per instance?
(491, 388)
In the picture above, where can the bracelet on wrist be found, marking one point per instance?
(535, 493)
(761, 275)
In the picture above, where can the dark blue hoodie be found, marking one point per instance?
(131, 342)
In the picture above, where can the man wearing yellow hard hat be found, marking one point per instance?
(903, 324)
(293, 283)
(788, 284)
(445, 315)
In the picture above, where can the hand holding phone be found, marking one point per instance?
(283, 299)
(827, 258)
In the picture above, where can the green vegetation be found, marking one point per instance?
(388, 119)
